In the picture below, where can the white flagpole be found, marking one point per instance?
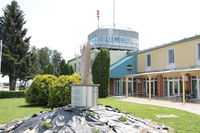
(113, 14)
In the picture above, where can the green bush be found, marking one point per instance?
(11, 94)
(123, 119)
(51, 90)
(60, 91)
(46, 125)
(38, 92)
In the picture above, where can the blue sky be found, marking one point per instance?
(65, 24)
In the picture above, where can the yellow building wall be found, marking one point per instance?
(185, 56)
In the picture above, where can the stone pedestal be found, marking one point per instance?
(84, 95)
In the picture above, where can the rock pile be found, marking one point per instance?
(100, 119)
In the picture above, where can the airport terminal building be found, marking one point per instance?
(169, 70)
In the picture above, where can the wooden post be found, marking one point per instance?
(149, 88)
(183, 84)
(126, 86)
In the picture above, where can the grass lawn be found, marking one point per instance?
(13, 108)
(186, 123)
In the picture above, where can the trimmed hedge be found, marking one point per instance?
(50, 90)
(11, 94)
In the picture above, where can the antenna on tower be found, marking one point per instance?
(113, 14)
(98, 18)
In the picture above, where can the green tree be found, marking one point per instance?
(71, 70)
(56, 59)
(66, 69)
(15, 43)
(100, 71)
(1, 27)
(49, 69)
(30, 67)
(44, 55)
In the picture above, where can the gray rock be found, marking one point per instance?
(75, 120)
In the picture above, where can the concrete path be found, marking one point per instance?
(190, 107)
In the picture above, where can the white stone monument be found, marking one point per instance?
(85, 94)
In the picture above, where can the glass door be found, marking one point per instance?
(198, 90)
(116, 87)
(130, 88)
(176, 87)
(173, 87)
(152, 87)
(170, 88)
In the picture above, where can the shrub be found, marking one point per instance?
(38, 92)
(123, 119)
(60, 91)
(46, 125)
(11, 94)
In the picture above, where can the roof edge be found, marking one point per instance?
(169, 44)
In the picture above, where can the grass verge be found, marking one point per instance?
(13, 108)
(185, 123)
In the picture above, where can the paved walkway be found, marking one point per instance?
(190, 107)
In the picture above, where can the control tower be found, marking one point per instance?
(114, 39)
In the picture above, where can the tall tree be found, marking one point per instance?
(31, 66)
(71, 69)
(1, 27)
(49, 69)
(56, 59)
(44, 55)
(16, 44)
(100, 71)
(65, 68)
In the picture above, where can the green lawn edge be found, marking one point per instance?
(186, 123)
(14, 108)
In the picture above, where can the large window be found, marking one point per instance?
(198, 51)
(148, 60)
(171, 56)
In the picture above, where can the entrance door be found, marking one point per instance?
(130, 88)
(152, 87)
(173, 87)
(116, 87)
(198, 89)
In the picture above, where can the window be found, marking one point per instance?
(198, 51)
(116, 39)
(129, 67)
(148, 60)
(171, 59)
(170, 56)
